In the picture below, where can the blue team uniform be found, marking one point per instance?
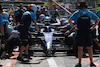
(98, 13)
(25, 23)
(8, 30)
(82, 19)
(68, 26)
(6, 21)
(80, 13)
(1, 20)
(74, 33)
(18, 14)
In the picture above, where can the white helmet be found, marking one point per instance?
(5, 15)
(42, 17)
(33, 7)
(47, 20)
(63, 21)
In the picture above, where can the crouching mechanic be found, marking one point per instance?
(27, 17)
(41, 18)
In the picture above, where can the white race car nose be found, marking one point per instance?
(48, 39)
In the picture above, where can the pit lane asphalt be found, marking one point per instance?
(61, 59)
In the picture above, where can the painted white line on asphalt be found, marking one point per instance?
(51, 62)
(96, 63)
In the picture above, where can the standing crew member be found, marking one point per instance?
(27, 17)
(18, 14)
(1, 26)
(82, 18)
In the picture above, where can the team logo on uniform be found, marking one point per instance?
(84, 12)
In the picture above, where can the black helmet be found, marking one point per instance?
(82, 5)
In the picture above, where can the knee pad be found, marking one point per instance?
(24, 43)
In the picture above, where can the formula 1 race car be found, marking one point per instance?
(50, 40)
